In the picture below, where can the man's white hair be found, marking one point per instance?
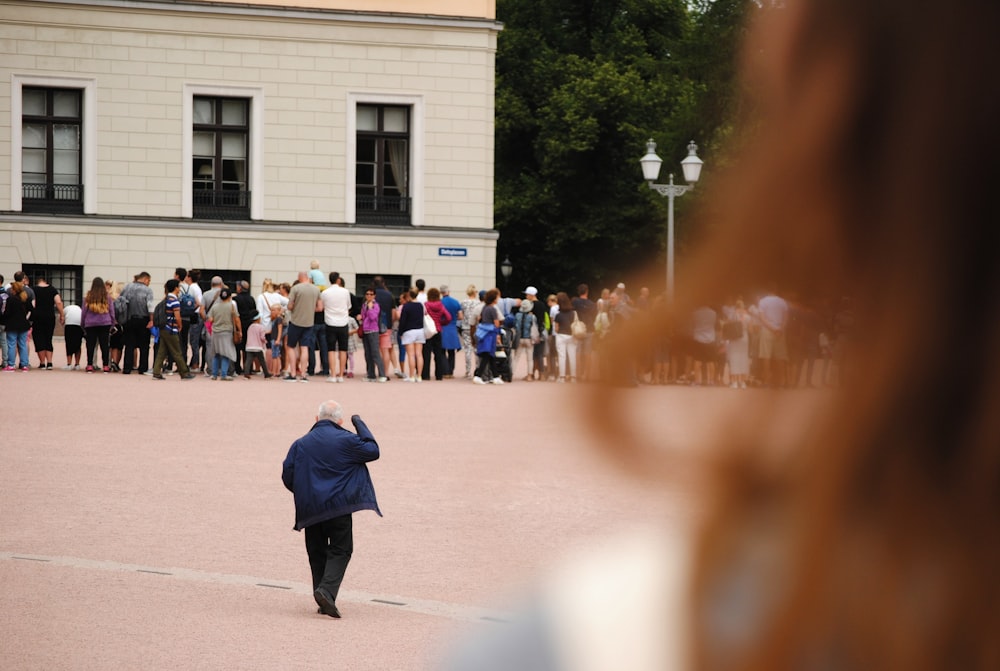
(330, 410)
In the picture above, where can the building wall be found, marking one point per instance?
(305, 69)
(118, 250)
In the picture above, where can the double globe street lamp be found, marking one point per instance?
(691, 166)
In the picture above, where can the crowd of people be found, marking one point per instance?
(297, 330)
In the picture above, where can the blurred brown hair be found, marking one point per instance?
(875, 542)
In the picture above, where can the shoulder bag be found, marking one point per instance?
(430, 328)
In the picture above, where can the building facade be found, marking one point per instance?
(247, 139)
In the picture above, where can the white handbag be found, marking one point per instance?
(430, 328)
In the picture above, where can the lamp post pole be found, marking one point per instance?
(651, 170)
(671, 191)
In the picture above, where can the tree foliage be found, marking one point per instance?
(581, 85)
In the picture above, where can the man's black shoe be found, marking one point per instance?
(326, 603)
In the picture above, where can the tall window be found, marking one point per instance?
(50, 150)
(382, 177)
(220, 144)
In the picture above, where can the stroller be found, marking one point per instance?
(503, 365)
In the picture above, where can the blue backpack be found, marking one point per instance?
(188, 306)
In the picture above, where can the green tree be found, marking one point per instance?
(581, 85)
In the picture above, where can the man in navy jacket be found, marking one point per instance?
(325, 470)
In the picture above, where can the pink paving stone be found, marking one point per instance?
(139, 519)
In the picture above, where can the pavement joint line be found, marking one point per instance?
(452, 611)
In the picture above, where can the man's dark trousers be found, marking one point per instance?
(182, 338)
(241, 349)
(321, 348)
(136, 336)
(169, 346)
(329, 545)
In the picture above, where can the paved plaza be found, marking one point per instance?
(144, 523)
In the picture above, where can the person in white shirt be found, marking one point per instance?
(73, 332)
(773, 352)
(704, 350)
(336, 311)
(189, 285)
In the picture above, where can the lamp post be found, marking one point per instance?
(691, 166)
(506, 268)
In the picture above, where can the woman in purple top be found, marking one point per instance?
(370, 314)
(97, 318)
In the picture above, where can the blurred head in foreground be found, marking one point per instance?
(857, 529)
(870, 540)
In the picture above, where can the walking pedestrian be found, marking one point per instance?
(326, 472)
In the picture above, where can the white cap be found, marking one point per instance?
(531, 291)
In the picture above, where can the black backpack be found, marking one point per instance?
(732, 330)
(121, 309)
(160, 314)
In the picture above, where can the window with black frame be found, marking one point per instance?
(395, 284)
(51, 124)
(230, 278)
(382, 170)
(68, 280)
(220, 149)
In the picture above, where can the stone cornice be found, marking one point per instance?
(279, 12)
(37, 222)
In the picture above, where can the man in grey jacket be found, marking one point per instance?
(141, 302)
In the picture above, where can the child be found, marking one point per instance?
(256, 340)
(353, 343)
(74, 336)
(316, 275)
(277, 338)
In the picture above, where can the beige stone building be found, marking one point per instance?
(247, 139)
